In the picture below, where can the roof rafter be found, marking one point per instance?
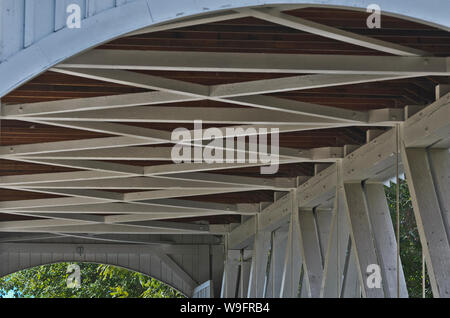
(261, 63)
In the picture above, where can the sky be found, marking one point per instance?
(10, 294)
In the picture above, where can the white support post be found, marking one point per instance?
(258, 268)
(335, 257)
(323, 224)
(279, 242)
(351, 287)
(304, 287)
(361, 234)
(244, 276)
(385, 241)
(427, 174)
(293, 257)
(312, 260)
(440, 166)
(230, 274)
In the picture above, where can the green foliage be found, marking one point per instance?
(97, 281)
(410, 247)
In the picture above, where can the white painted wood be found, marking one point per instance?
(429, 217)
(57, 177)
(230, 274)
(386, 244)
(361, 235)
(188, 114)
(113, 208)
(190, 22)
(293, 256)
(374, 162)
(141, 80)
(139, 183)
(441, 90)
(292, 83)
(258, 267)
(196, 90)
(440, 168)
(94, 143)
(335, 257)
(276, 262)
(312, 260)
(351, 285)
(429, 126)
(93, 103)
(135, 15)
(150, 260)
(323, 220)
(204, 290)
(275, 16)
(178, 193)
(244, 276)
(274, 183)
(297, 107)
(254, 62)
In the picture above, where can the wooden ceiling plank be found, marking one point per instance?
(275, 16)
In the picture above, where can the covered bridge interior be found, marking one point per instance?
(86, 172)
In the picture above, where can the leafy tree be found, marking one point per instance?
(97, 281)
(410, 246)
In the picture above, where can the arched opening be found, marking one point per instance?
(83, 280)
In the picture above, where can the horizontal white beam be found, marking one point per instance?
(87, 176)
(157, 114)
(148, 183)
(103, 228)
(258, 62)
(197, 90)
(178, 193)
(271, 183)
(297, 107)
(65, 204)
(113, 208)
(140, 246)
(57, 177)
(94, 103)
(84, 144)
(429, 127)
(174, 182)
(294, 83)
(131, 136)
(217, 92)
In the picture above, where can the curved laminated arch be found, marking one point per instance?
(88, 262)
(126, 17)
(14, 259)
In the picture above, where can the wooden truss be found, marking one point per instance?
(322, 232)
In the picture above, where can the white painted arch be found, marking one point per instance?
(15, 257)
(33, 37)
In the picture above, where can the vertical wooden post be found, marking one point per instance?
(361, 234)
(427, 175)
(312, 261)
